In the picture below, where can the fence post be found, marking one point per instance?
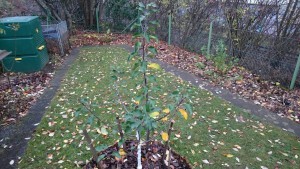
(97, 18)
(295, 73)
(209, 38)
(48, 17)
(170, 27)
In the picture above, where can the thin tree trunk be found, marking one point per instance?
(47, 8)
(68, 17)
(139, 151)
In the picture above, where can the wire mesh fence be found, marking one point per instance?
(57, 37)
(258, 48)
(271, 57)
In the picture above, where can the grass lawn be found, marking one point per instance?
(212, 135)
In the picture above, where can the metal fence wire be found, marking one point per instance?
(270, 57)
(56, 36)
(273, 58)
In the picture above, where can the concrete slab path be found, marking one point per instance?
(14, 138)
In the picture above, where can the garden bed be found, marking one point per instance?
(128, 159)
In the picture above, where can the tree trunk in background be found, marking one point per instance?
(101, 10)
(48, 8)
(287, 31)
(88, 9)
(290, 17)
(92, 12)
(68, 17)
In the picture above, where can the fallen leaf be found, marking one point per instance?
(50, 156)
(228, 155)
(258, 159)
(136, 102)
(235, 149)
(205, 161)
(60, 161)
(214, 121)
(237, 146)
(51, 134)
(285, 154)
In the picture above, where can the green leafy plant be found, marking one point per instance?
(200, 65)
(221, 60)
(203, 51)
(143, 116)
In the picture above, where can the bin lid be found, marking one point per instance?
(18, 19)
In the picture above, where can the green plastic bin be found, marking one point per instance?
(23, 36)
(22, 46)
(26, 64)
(20, 26)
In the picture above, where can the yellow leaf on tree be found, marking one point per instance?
(122, 152)
(165, 136)
(165, 119)
(154, 66)
(228, 155)
(183, 113)
(154, 114)
(166, 110)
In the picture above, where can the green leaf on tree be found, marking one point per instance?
(100, 157)
(101, 148)
(154, 37)
(137, 47)
(116, 154)
(188, 107)
(152, 50)
(141, 4)
(147, 37)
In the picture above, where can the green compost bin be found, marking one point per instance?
(22, 35)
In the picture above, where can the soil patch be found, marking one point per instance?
(153, 158)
